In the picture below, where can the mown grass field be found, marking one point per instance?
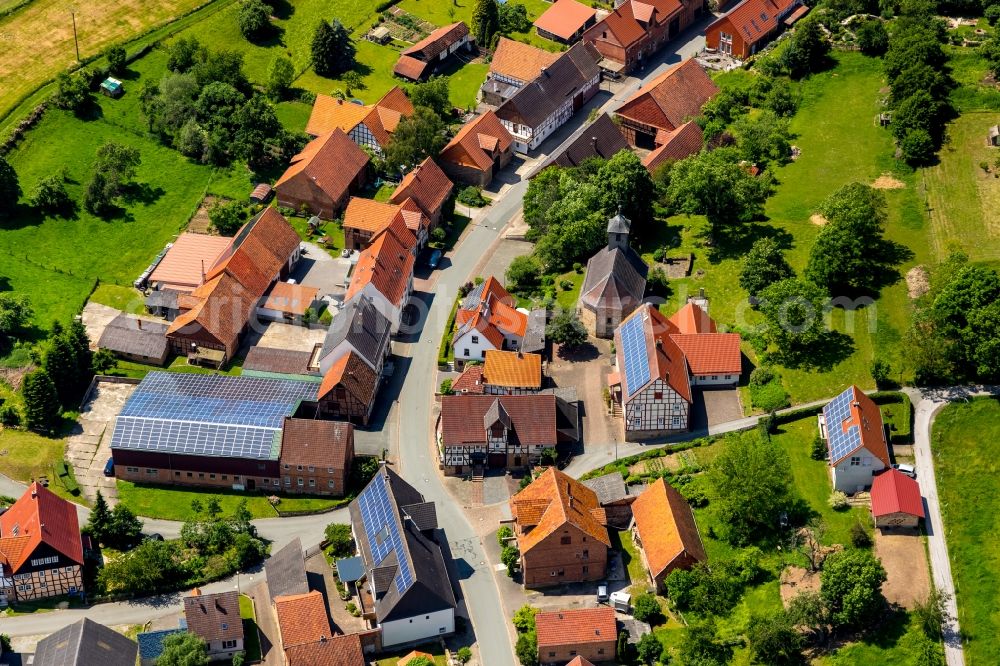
(965, 464)
(38, 39)
(839, 144)
(174, 503)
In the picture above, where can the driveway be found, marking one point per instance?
(291, 336)
(318, 269)
(89, 447)
(715, 407)
(904, 559)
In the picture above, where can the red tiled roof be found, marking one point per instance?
(711, 353)
(431, 46)
(666, 527)
(330, 113)
(396, 100)
(520, 61)
(409, 67)
(302, 619)
(336, 651)
(553, 500)
(470, 381)
(427, 185)
(865, 414)
(630, 22)
(188, 259)
(387, 265)
(754, 20)
(533, 417)
(565, 18)
(579, 661)
(466, 148)
(670, 99)
(354, 374)
(579, 626)
(682, 142)
(290, 298)
(894, 492)
(316, 442)
(40, 516)
(512, 369)
(328, 164)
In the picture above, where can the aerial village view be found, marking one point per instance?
(499, 332)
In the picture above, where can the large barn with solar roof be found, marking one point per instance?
(852, 426)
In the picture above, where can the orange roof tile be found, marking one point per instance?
(512, 369)
(440, 39)
(467, 149)
(397, 101)
(865, 415)
(302, 618)
(711, 353)
(682, 142)
(368, 214)
(578, 626)
(672, 98)
(409, 68)
(189, 258)
(691, 319)
(354, 374)
(753, 20)
(666, 527)
(328, 164)
(565, 18)
(42, 517)
(414, 655)
(335, 651)
(427, 186)
(291, 298)
(470, 381)
(666, 360)
(330, 113)
(630, 22)
(557, 489)
(387, 265)
(520, 61)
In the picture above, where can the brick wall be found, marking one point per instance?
(552, 561)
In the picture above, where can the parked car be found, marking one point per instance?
(908, 470)
(602, 593)
(109, 467)
(434, 259)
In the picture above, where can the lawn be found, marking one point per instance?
(965, 464)
(174, 503)
(25, 455)
(48, 24)
(567, 298)
(964, 200)
(836, 149)
(622, 542)
(433, 649)
(177, 364)
(332, 230)
(251, 644)
(56, 261)
(121, 298)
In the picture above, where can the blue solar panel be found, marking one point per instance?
(378, 514)
(835, 413)
(208, 415)
(635, 354)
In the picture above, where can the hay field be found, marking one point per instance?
(37, 40)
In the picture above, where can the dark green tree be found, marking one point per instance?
(873, 39)
(851, 587)
(513, 17)
(701, 645)
(808, 50)
(485, 22)
(918, 147)
(257, 127)
(114, 169)
(183, 649)
(774, 640)
(339, 541)
(99, 522)
(752, 479)
(41, 402)
(10, 188)
(793, 311)
(918, 78)
(524, 275)
(627, 186)
(184, 53)
(649, 648)
(280, 77)
(225, 66)
(526, 648)
(415, 138)
(72, 91)
(15, 315)
(433, 94)
(61, 367)
(227, 218)
(764, 265)
(104, 361)
(254, 19)
(762, 138)
(80, 341)
(50, 196)
(117, 59)
(566, 329)
(333, 51)
(125, 530)
(623, 649)
(646, 608)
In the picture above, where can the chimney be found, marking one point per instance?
(545, 71)
(701, 292)
(202, 270)
(138, 323)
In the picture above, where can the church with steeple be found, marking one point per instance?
(615, 282)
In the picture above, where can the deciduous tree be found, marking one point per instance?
(117, 59)
(50, 196)
(432, 94)
(183, 649)
(280, 77)
(254, 19)
(627, 185)
(851, 587)
(566, 329)
(10, 188)
(773, 639)
(72, 90)
(793, 311)
(764, 265)
(701, 645)
(415, 138)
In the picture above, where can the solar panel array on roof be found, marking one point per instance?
(379, 518)
(634, 353)
(208, 415)
(835, 413)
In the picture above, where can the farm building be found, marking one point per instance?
(896, 500)
(420, 61)
(565, 21)
(665, 532)
(751, 24)
(136, 339)
(323, 175)
(479, 151)
(513, 65)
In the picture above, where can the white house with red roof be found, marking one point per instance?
(661, 359)
(896, 500)
(857, 448)
(487, 319)
(41, 552)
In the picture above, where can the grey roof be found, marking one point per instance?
(499, 88)
(286, 571)
(423, 515)
(431, 590)
(615, 279)
(162, 298)
(361, 324)
(282, 361)
(138, 337)
(563, 79)
(610, 488)
(534, 334)
(86, 643)
(619, 224)
(567, 416)
(601, 138)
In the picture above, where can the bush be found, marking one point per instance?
(819, 447)
(464, 654)
(524, 619)
(340, 542)
(992, 14)
(761, 376)
(9, 415)
(837, 501)
(472, 196)
(917, 147)
(352, 608)
(577, 267)
(659, 254)
(646, 608)
(860, 538)
(565, 285)
(503, 534)
(526, 649)
(524, 275)
(510, 556)
(880, 371)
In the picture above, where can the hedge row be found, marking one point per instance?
(444, 348)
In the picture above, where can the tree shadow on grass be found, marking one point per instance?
(832, 348)
(734, 241)
(580, 353)
(281, 9)
(142, 193)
